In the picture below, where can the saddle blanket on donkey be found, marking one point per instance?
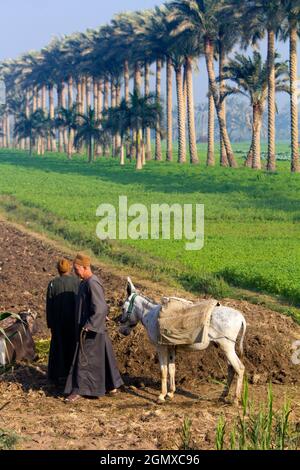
(184, 324)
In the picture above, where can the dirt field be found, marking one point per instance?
(132, 419)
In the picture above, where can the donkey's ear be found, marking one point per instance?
(130, 287)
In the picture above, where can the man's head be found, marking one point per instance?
(64, 266)
(82, 266)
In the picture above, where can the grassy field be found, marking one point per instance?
(252, 234)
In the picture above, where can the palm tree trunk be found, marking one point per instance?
(96, 102)
(79, 105)
(223, 155)
(8, 131)
(60, 132)
(249, 159)
(70, 92)
(99, 150)
(181, 117)
(122, 160)
(71, 133)
(257, 122)
(294, 97)
(34, 100)
(126, 95)
(88, 93)
(106, 106)
(90, 160)
(44, 108)
(191, 112)
(184, 94)
(137, 89)
(79, 96)
(271, 166)
(211, 132)
(148, 130)
(27, 112)
(4, 131)
(113, 105)
(169, 111)
(118, 137)
(52, 114)
(64, 105)
(209, 57)
(139, 162)
(83, 95)
(39, 139)
(95, 96)
(158, 151)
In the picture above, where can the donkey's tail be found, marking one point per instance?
(244, 327)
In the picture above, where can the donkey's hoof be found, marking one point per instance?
(161, 400)
(170, 396)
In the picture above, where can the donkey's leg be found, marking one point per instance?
(163, 360)
(172, 370)
(234, 365)
(230, 377)
(240, 370)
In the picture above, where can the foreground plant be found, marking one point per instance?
(264, 429)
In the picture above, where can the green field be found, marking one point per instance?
(252, 234)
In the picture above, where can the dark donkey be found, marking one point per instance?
(16, 342)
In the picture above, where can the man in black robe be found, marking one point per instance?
(94, 371)
(61, 319)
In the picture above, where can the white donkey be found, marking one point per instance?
(225, 326)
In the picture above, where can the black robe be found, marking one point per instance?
(61, 319)
(94, 370)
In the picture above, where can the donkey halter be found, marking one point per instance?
(130, 308)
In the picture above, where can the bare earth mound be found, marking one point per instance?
(132, 419)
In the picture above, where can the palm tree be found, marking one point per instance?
(265, 16)
(179, 45)
(88, 132)
(291, 30)
(199, 18)
(68, 119)
(33, 127)
(229, 30)
(211, 134)
(141, 113)
(116, 122)
(155, 45)
(250, 74)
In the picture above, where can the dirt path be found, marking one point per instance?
(29, 406)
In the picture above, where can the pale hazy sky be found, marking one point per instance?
(30, 24)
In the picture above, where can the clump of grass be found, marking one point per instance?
(220, 435)
(206, 284)
(8, 439)
(263, 429)
(42, 347)
(186, 435)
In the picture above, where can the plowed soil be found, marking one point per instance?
(30, 406)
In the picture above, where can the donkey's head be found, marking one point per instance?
(29, 317)
(129, 318)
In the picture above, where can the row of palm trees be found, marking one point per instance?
(98, 64)
(138, 114)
